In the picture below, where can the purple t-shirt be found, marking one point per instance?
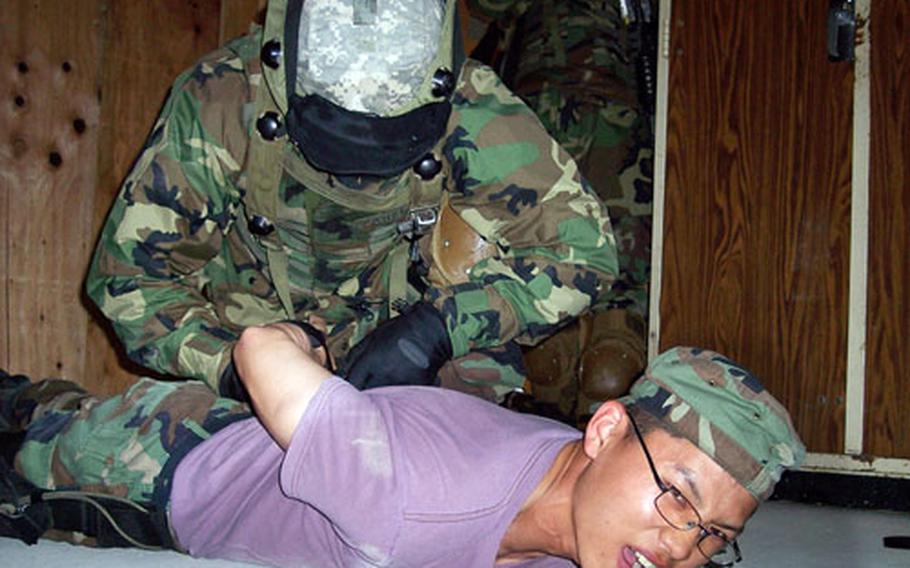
(398, 476)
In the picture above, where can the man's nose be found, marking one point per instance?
(679, 545)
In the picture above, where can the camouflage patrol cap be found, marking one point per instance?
(725, 411)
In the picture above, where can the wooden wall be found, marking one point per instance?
(887, 420)
(83, 81)
(756, 238)
(48, 163)
(758, 188)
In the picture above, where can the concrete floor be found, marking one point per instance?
(789, 535)
(782, 535)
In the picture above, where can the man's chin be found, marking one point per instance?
(597, 557)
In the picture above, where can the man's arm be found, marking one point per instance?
(282, 373)
(515, 186)
(169, 221)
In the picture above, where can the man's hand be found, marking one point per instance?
(407, 350)
(281, 370)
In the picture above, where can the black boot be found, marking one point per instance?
(11, 386)
(23, 514)
(20, 397)
(10, 442)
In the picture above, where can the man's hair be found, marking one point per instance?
(646, 422)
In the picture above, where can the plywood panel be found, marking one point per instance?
(237, 15)
(4, 236)
(4, 277)
(757, 200)
(887, 419)
(147, 44)
(51, 53)
(7, 112)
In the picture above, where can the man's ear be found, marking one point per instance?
(607, 426)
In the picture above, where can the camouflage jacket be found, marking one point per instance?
(179, 274)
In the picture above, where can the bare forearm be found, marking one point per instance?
(281, 373)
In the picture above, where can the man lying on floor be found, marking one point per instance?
(326, 475)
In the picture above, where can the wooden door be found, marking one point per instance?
(756, 240)
(887, 416)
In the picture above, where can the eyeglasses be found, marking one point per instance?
(680, 514)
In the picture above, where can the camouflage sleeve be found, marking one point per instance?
(513, 184)
(169, 220)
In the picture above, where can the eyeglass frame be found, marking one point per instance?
(704, 532)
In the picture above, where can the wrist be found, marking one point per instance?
(311, 339)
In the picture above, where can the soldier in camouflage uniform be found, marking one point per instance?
(292, 174)
(616, 492)
(586, 68)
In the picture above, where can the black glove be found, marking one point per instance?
(406, 350)
(229, 384)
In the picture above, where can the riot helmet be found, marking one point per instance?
(364, 85)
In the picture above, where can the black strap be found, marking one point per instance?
(229, 385)
(27, 512)
(149, 529)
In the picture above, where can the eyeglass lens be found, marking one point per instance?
(679, 513)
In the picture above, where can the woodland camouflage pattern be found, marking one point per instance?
(179, 275)
(575, 68)
(725, 411)
(120, 445)
(382, 74)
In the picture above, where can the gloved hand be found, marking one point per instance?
(406, 350)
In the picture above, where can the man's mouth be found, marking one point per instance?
(641, 561)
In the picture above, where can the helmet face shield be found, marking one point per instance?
(369, 56)
(364, 85)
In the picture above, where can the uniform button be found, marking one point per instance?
(269, 126)
(260, 225)
(443, 82)
(428, 167)
(270, 54)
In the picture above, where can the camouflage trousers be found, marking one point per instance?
(613, 146)
(127, 445)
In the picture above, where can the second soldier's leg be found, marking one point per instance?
(120, 446)
(21, 400)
